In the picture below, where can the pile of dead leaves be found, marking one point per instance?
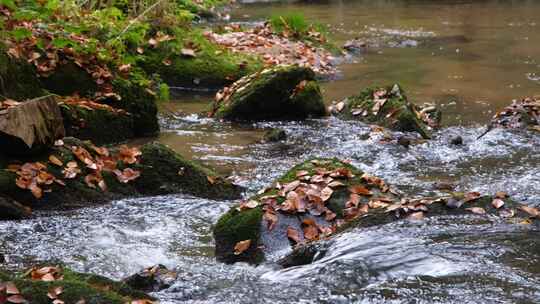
(45, 274)
(89, 104)
(9, 293)
(275, 48)
(520, 114)
(36, 178)
(41, 49)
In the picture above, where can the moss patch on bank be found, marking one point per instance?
(75, 286)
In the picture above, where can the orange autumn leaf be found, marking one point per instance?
(55, 161)
(293, 235)
(241, 246)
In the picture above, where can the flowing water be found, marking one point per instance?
(465, 259)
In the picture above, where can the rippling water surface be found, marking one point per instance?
(465, 259)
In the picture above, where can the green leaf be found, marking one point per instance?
(8, 3)
(20, 33)
(62, 42)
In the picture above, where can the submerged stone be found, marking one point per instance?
(274, 134)
(151, 279)
(282, 92)
(388, 107)
(323, 197)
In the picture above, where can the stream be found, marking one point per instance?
(470, 58)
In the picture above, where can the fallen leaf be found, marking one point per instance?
(310, 229)
(416, 215)
(497, 203)
(241, 247)
(16, 299)
(476, 210)
(11, 288)
(501, 194)
(54, 160)
(361, 190)
(530, 210)
(188, 52)
(471, 196)
(293, 235)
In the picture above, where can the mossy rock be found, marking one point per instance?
(212, 66)
(162, 172)
(236, 226)
(76, 286)
(140, 103)
(391, 110)
(18, 78)
(274, 135)
(68, 79)
(282, 92)
(98, 125)
(381, 204)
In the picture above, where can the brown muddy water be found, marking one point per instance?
(469, 57)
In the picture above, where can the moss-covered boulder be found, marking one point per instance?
(11, 210)
(68, 286)
(388, 107)
(77, 174)
(18, 79)
(282, 92)
(321, 197)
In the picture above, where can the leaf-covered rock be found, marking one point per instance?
(388, 107)
(322, 197)
(30, 126)
(282, 92)
(18, 79)
(151, 279)
(76, 173)
(520, 114)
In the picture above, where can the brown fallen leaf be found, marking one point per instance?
(293, 235)
(55, 161)
(271, 218)
(361, 190)
(241, 247)
(416, 215)
(497, 203)
(530, 210)
(310, 229)
(471, 196)
(11, 288)
(501, 194)
(54, 292)
(17, 299)
(188, 52)
(476, 210)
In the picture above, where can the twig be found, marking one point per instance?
(132, 21)
(489, 128)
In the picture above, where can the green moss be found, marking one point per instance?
(18, 78)
(274, 134)
(213, 66)
(164, 171)
(236, 226)
(283, 92)
(140, 103)
(397, 112)
(69, 79)
(76, 286)
(99, 126)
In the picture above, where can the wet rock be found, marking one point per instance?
(323, 197)
(456, 141)
(151, 279)
(355, 45)
(162, 171)
(274, 134)
(282, 92)
(520, 114)
(71, 288)
(11, 210)
(404, 141)
(388, 107)
(31, 126)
